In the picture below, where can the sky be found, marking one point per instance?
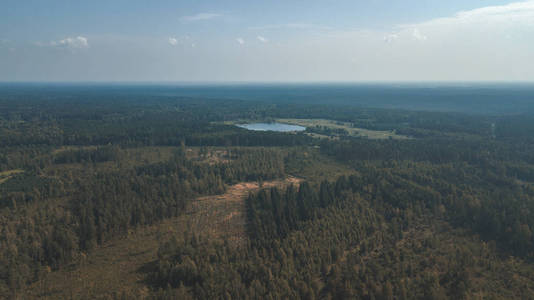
(266, 41)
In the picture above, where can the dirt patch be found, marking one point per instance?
(209, 156)
(223, 216)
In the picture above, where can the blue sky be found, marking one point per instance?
(373, 40)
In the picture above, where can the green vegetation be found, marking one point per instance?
(322, 128)
(161, 198)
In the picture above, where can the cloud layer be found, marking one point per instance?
(293, 26)
(173, 41)
(262, 39)
(200, 17)
(72, 42)
(489, 43)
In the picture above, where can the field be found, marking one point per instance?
(4, 176)
(330, 128)
(309, 164)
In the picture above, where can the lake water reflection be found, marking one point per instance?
(280, 127)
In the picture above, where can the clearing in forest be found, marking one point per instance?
(121, 265)
(5, 175)
(330, 128)
(223, 216)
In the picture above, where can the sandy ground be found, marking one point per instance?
(223, 216)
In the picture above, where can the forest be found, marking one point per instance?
(114, 194)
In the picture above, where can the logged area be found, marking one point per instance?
(107, 193)
(122, 266)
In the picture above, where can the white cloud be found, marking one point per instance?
(181, 41)
(518, 11)
(490, 43)
(296, 26)
(200, 17)
(70, 42)
(390, 38)
(490, 24)
(417, 35)
(513, 14)
(262, 39)
(173, 41)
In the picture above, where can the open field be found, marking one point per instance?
(309, 164)
(337, 125)
(121, 265)
(148, 154)
(4, 176)
(133, 157)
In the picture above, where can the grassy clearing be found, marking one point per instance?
(5, 175)
(209, 155)
(129, 157)
(147, 155)
(308, 163)
(69, 148)
(337, 125)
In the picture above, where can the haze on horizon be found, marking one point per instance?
(233, 41)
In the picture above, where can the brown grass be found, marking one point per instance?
(213, 155)
(5, 175)
(223, 216)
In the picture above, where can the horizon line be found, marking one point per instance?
(238, 82)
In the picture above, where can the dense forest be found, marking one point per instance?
(442, 207)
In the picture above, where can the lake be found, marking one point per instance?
(280, 127)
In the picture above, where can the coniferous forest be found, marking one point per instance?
(113, 194)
